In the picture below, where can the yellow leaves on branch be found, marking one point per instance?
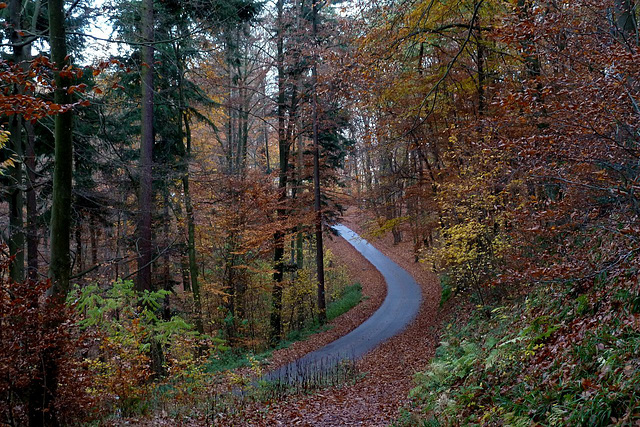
(10, 162)
(469, 253)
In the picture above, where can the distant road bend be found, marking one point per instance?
(397, 311)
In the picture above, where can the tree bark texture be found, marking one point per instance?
(147, 139)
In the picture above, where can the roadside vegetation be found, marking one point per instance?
(551, 356)
(127, 359)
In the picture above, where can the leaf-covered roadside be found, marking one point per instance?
(550, 358)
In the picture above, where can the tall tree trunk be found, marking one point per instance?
(193, 266)
(191, 227)
(32, 205)
(118, 238)
(230, 101)
(300, 171)
(16, 203)
(278, 253)
(63, 170)
(166, 276)
(322, 310)
(147, 139)
(33, 238)
(42, 391)
(295, 124)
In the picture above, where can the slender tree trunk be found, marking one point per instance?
(16, 202)
(93, 235)
(191, 228)
(33, 238)
(32, 205)
(265, 131)
(79, 258)
(63, 170)
(278, 253)
(322, 311)
(193, 266)
(118, 238)
(230, 107)
(30, 163)
(299, 248)
(300, 171)
(166, 276)
(147, 139)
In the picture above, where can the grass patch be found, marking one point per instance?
(233, 359)
(349, 298)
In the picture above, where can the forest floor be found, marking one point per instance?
(375, 398)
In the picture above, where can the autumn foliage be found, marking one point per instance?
(40, 354)
(506, 134)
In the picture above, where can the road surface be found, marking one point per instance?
(397, 311)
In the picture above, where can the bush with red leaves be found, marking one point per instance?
(43, 380)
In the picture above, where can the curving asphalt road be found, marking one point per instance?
(399, 309)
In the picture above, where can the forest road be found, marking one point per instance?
(398, 310)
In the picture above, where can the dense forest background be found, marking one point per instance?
(167, 186)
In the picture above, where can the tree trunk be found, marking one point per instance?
(278, 253)
(63, 170)
(322, 311)
(191, 228)
(42, 392)
(93, 235)
(16, 203)
(16, 222)
(147, 139)
(193, 266)
(79, 258)
(33, 238)
(32, 205)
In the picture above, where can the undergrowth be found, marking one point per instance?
(557, 356)
(345, 300)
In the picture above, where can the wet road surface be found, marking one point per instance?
(398, 310)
